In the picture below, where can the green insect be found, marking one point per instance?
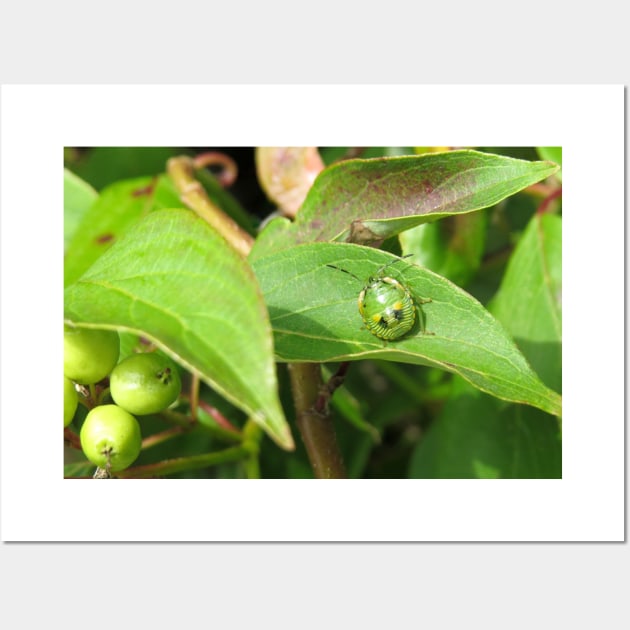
(386, 305)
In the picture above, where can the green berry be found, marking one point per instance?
(145, 383)
(110, 437)
(70, 401)
(89, 355)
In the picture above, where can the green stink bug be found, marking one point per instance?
(386, 305)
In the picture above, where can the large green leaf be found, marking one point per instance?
(117, 208)
(529, 302)
(479, 437)
(475, 435)
(173, 279)
(313, 311)
(363, 201)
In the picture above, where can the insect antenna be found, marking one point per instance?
(344, 270)
(392, 262)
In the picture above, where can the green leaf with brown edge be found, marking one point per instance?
(554, 154)
(314, 315)
(363, 201)
(174, 280)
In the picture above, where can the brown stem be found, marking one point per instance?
(316, 427)
(71, 438)
(192, 193)
(326, 392)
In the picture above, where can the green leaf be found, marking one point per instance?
(173, 279)
(313, 311)
(103, 166)
(78, 196)
(529, 301)
(349, 409)
(79, 469)
(117, 208)
(363, 201)
(478, 437)
(554, 154)
(475, 435)
(452, 247)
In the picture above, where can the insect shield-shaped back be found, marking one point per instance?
(386, 305)
(387, 308)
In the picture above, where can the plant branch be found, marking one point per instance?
(71, 438)
(192, 193)
(219, 418)
(547, 201)
(161, 437)
(315, 426)
(187, 423)
(194, 395)
(181, 464)
(252, 435)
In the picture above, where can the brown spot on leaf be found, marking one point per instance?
(104, 238)
(146, 190)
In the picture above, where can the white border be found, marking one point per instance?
(587, 121)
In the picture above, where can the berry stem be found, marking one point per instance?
(71, 438)
(187, 422)
(181, 464)
(218, 417)
(194, 395)
(252, 435)
(161, 437)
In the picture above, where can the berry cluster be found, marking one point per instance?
(141, 384)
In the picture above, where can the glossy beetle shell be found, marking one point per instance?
(387, 308)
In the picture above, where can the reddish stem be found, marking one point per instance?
(71, 438)
(228, 170)
(218, 417)
(163, 436)
(546, 202)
